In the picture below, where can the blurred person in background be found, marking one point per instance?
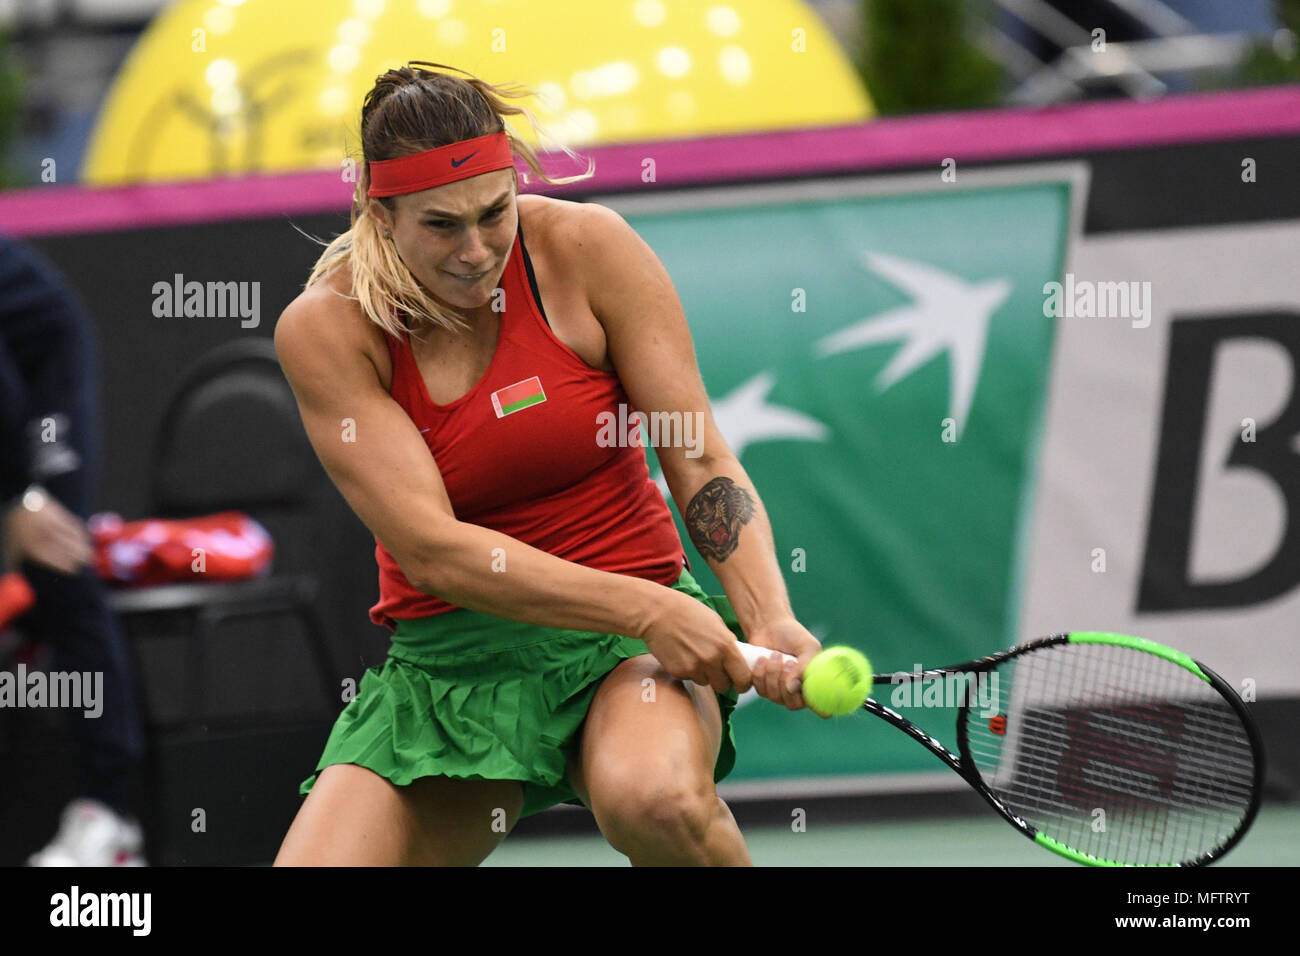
(48, 423)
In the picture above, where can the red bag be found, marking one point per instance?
(222, 547)
(16, 597)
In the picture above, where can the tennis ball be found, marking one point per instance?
(837, 681)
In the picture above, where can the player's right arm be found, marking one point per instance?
(386, 474)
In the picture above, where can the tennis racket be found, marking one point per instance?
(1107, 749)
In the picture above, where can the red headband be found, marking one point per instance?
(439, 166)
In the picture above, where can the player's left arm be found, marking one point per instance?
(649, 343)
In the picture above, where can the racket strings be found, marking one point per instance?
(1114, 752)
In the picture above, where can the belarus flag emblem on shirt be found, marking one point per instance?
(516, 397)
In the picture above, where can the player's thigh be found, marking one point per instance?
(648, 739)
(354, 817)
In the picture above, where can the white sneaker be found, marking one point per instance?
(91, 834)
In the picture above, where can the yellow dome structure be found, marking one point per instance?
(226, 87)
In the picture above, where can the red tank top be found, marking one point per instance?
(519, 454)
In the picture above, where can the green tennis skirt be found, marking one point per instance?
(479, 697)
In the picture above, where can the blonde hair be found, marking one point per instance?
(410, 110)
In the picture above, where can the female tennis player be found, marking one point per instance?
(549, 642)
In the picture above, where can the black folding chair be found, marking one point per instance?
(231, 439)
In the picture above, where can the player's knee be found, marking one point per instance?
(658, 812)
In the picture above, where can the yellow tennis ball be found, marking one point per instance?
(837, 681)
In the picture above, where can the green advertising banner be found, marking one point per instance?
(878, 362)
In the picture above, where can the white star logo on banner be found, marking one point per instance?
(947, 313)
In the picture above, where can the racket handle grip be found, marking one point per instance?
(753, 654)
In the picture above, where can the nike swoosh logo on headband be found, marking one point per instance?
(459, 162)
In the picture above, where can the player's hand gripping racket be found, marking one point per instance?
(1086, 722)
